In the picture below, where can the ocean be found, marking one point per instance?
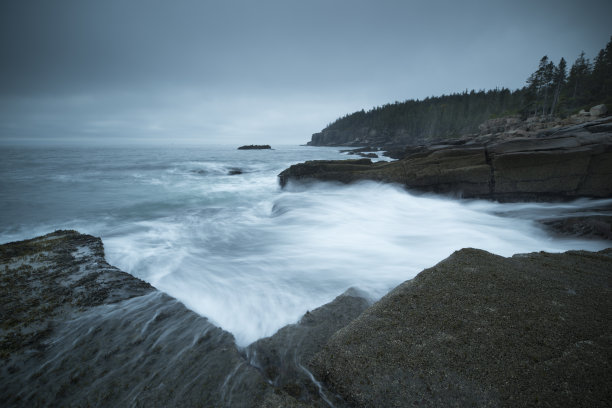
(210, 226)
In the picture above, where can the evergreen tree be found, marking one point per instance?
(559, 75)
(601, 76)
(539, 84)
(577, 79)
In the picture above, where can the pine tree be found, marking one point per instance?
(559, 75)
(577, 79)
(539, 84)
(601, 81)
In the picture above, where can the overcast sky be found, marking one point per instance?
(123, 71)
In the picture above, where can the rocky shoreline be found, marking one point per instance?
(76, 331)
(476, 329)
(561, 163)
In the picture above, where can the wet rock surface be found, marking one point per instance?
(595, 226)
(482, 330)
(560, 163)
(79, 332)
(283, 358)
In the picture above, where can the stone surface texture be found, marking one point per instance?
(482, 330)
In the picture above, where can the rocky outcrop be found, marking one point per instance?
(76, 331)
(254, 147)
(482, 330)
(555, 164)
(79, 332)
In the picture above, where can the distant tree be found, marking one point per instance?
(601, 75)
(559, 78)
(539, 84)
(577, 79)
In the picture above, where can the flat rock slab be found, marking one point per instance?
(482, 330)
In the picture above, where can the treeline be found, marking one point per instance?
(440, 116)
(550, 90)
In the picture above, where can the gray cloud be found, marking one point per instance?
(235, 71)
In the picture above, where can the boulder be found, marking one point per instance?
(482, 330)
(599, 110)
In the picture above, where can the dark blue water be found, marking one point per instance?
(236, 248)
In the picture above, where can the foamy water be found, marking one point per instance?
(244, 253)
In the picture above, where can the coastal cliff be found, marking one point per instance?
(553, 164)
(477, 329)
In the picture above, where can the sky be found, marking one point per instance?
(262, 72)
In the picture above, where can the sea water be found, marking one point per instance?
(210, 225)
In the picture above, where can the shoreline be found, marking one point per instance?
(274, 370)
(555, 164)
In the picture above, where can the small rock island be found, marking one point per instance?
(254, 147)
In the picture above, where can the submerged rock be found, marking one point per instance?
(482, 330)
(369, 155)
